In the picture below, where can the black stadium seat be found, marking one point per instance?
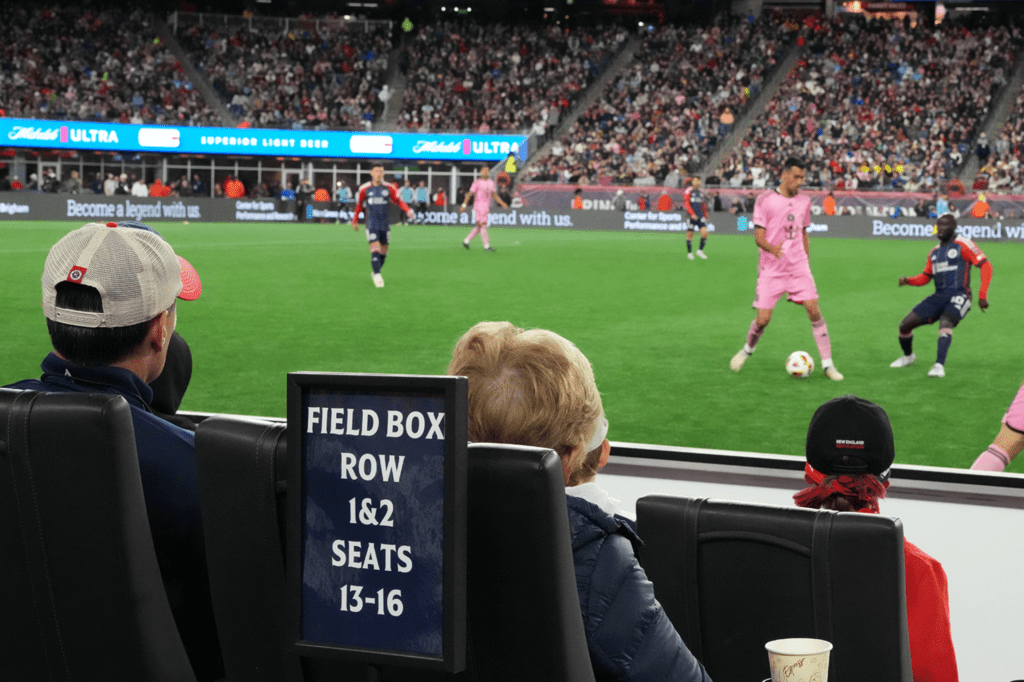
(524, 618)
(82, 597)
(734, 576)
(524, 610)
(242, 474)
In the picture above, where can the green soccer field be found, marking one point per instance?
(659, 329)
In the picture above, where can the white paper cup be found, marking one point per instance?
(798, 659)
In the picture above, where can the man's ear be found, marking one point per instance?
(159, 331)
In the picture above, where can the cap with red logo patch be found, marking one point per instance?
(136, 272)
(850, 435)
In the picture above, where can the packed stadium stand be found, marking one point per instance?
(104, 65)
(1003, 167)
(872, 104)
(671, 106)
(880, 104)
(315, 73)
(464, 76)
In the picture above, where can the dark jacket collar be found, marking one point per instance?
(96, 379)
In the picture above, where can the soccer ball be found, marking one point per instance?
(800, 364)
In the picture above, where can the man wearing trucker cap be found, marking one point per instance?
(110, 298)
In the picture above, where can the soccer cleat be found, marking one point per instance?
(465, 245)
(487, 248)
(736, 364)
(700, 254)
(690, 256)
(378, 281)
(937, 370)
(833, 374)
(903, 360)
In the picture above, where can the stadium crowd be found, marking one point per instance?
(324, 73)
(70, 62)
(464, 76)
(671, 107)
(1000, 169)
(879, 104)
(872, 104)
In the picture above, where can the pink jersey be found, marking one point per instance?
(784, 220)
(1014, 417)
(482, 191)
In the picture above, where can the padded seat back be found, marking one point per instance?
(81, 596)
(734, 576)
(525, 621)
(242, 485)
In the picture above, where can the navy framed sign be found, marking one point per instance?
(377, 518)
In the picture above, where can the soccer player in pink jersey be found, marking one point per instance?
(781, 218)
(481, 190)
(1009, 441)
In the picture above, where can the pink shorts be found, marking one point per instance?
(1014, 417)
(799, 284)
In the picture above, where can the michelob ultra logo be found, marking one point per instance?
(69, 134)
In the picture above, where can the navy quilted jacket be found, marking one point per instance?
(628, 633)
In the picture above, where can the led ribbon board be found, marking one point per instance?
(377, 517)
(318, 144)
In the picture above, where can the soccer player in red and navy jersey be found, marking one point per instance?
(781, 219)
(374, 197)
(693, 202)
(949, 266)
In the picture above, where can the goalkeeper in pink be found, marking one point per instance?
(481, 190)
(781, 218)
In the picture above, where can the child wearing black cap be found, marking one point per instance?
(850, 450)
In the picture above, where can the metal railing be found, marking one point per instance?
(182, 20)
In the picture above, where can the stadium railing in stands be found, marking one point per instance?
(178, 20)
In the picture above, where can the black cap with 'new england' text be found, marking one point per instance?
(850, 435)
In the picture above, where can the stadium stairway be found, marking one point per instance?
(396, 84)
(199, 80)
(746, 121)
(1002, 108)
(621, 61)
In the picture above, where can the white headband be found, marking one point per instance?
(599, 434)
